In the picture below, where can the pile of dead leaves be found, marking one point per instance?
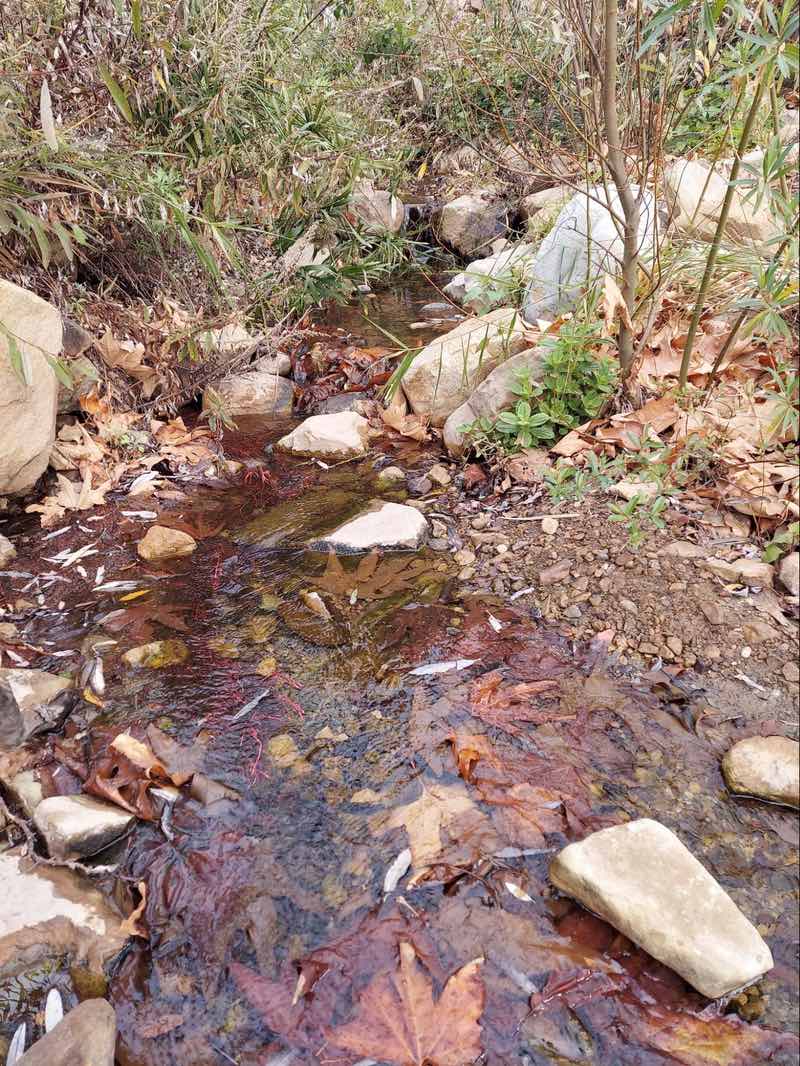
(94, 457)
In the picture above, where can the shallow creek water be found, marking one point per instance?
(269, 927)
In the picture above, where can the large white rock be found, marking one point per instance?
(499, 271)
(86, 1036)
(494, 394)
(27, 410)
(446, 371)
(78, 826)
(340, 436)
(584, 244)
(384, 525)
(767, 767)
(48, 912)
(31, 702)
(695, 194)
(256, 393)
(641, 879)
(471, 222)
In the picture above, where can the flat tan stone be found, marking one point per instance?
(767, 767)
(49, 912)
(86, 1036)
(744, 571)
(79, 826)
(384, 525)
(641, 879)
(338, 436)
(159, 544)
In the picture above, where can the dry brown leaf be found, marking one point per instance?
(70, 497)
(396, 418)
(613, 303)
(129, 926)
(398, 1020)
(139, 754)
(127, 356)
(425, 818)
(573, 442)
(74, 446)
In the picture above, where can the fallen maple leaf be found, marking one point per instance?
(437, 809)
(127, 356)
(407, 425)
(373, 579)
(399, 1022)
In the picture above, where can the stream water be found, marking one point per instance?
(269, 923)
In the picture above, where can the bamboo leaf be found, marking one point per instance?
(46, 116)
(136, 17)
(18, 361)
(61, 371)
(117, 93)
(64, 240)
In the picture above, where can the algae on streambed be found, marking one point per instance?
(342, 761)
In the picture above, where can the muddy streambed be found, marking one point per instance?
(376, 815)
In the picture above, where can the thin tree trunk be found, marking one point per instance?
(616, 164)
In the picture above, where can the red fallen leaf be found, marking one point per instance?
(474, 475)
(165, 1023)
(137, 619)
(399, 1022)
(506, 705)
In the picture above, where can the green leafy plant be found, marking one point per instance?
(525, 426)
(781, 543)
(638, 513)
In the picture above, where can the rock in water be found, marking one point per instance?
(28, 404)
(78, 826)
(340, 436)
(255, 393)
(446, 372)
(583, 245)
(31, 702)
(483, 274)
(767, 767)
(385, 525)
(86, 1036)
(48, 913)
(470, 223)
(494, 394)
(641, 879)
(160, 543)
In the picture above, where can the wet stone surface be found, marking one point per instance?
(266, 928)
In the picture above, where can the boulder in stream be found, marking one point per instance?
(383, 525)
(332, 437)
(30, 334)
(497, 274)
(766, 767)
(160, 544)
(87, 1036)
(31, 702)
(471, 222)
(254, 393)
(48, 913)
(79, 826)
(447, 370)
(641, 879)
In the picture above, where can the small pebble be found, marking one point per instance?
(549, 525)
